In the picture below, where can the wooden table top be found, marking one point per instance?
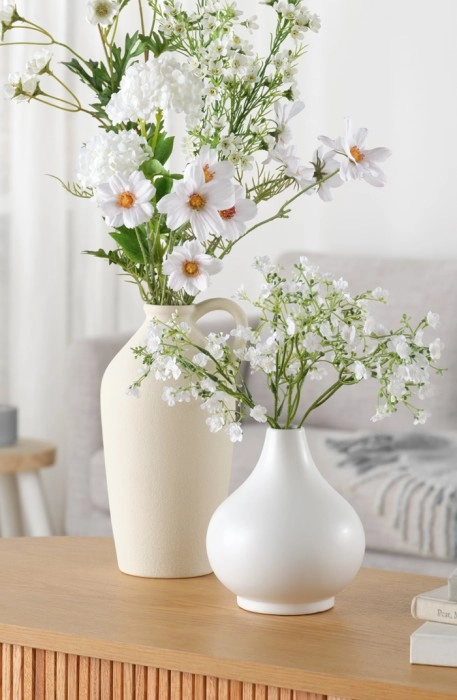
(66, 594)
(27, 454)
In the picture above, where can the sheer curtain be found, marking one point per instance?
(50, 293)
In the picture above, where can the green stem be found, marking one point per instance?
(155, 138)
(107, 55)
(282, 212)
(67, 89)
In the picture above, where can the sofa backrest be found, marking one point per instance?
(415, 287)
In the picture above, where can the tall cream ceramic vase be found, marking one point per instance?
(166, 472)
(285, 542)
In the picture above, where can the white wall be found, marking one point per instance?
(389, 65)
(392, 67)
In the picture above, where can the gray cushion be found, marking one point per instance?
(403, 485)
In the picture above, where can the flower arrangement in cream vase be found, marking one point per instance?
(170, 229)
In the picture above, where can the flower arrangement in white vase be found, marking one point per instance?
(285, 541)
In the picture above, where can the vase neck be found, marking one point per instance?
(286, 450)
(164, 312)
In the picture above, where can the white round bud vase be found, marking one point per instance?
(285, 542)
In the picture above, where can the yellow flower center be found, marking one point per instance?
(101, 9)
(126, 200)
(227, 213)
(196, 201)
(357, 154)
(207, 173)
(190, 268)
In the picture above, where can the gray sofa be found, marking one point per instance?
(402, 479)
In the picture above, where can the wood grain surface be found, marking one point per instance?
(68, 613)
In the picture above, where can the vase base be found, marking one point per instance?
(309, 608)
(165, 573)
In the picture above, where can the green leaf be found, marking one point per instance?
(102, 81)
(163, 186)
(157, 43)
(153, 167)
(127, 239)
(164, 147)
(112, 256)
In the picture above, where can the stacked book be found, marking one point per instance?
(435, 642)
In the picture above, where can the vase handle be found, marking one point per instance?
(221, 304)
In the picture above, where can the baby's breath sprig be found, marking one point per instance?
(309, 327)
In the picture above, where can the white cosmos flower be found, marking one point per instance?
(325, 165)
(287, 155)
(360, 162)
(189, 268)
(102, 11)
(235, 217)
(213, 168)
(126, 200)
(284, 112)
(198, 202)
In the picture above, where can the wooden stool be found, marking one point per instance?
(22, 502)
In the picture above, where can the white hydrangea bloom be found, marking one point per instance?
(108, 154)
(161, 83)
